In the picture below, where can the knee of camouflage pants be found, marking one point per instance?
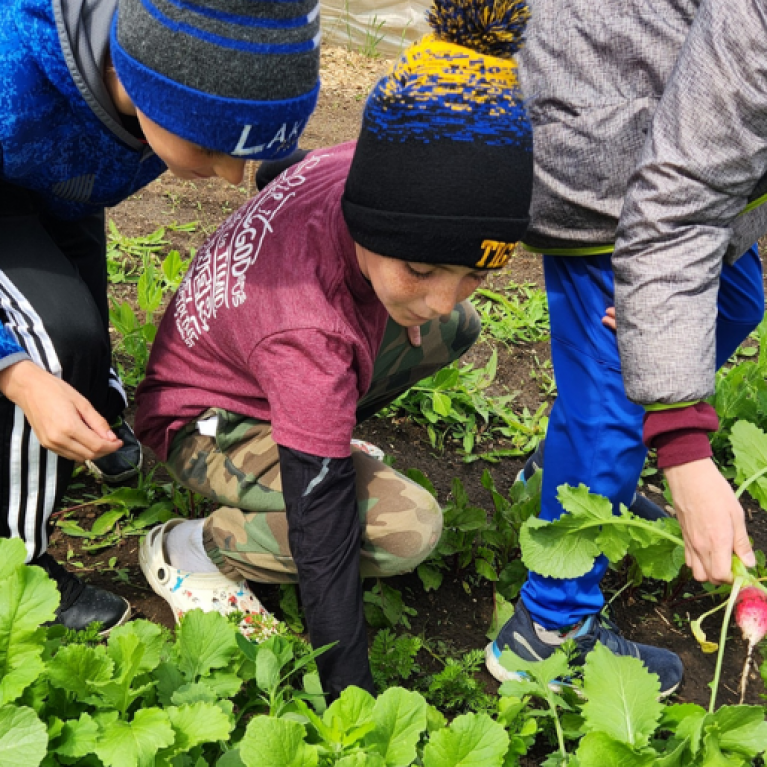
(402, 527)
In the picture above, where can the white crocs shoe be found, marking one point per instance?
(369, 448)
(210, 592)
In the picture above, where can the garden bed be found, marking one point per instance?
(458, 614)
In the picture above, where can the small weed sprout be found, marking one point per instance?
(392, 658)
(518, 314)
(454, 405)
(372, 34)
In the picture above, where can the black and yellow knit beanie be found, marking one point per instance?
(443, 167)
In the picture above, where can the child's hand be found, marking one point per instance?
(711, 519)
(609, 319)
(62, 419)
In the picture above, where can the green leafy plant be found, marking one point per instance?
(208, 696)
(741, 395)
(130, 511)
(524, 430)
(125, 255)
(373, 34)
(498, 557)
(624, 722)
(456, 688)
(385, 606)
(290, 608)
(536, 680)
(543, 372)
(567, 547)
(488, 542)
(359, 730)
(453, 404)
(137, 334)
(749, 447)
(620, 721)
(155, 280)
(278, 662)
(143, 697)
(393, 658)
(461, 527)
(110, 566)
(519, 314)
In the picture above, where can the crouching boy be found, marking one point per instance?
(292, 326)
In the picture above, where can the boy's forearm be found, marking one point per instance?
(325, 538)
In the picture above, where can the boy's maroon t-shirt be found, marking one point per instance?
(274, 320)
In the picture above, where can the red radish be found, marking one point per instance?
(751, 614)
(751, 617)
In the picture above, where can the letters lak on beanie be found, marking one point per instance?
(443, 167)
(234, 76)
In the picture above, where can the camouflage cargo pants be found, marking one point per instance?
(239, 469)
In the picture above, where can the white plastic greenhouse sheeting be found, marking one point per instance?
(354, 23)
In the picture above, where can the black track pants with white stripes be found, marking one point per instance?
(53, 299)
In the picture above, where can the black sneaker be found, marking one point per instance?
(640, 505)
(82, 604)
(124, 463)
(519, 636)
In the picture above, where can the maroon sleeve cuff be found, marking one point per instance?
(680, 435)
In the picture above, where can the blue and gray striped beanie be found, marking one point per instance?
(233, 76)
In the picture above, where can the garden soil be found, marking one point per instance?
(459, 613)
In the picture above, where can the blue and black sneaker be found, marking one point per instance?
(124, 463)
(519, 635)
(642, 506)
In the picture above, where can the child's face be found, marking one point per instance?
(415, 293)
(188, 160)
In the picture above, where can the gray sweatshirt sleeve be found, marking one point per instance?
(703, 161)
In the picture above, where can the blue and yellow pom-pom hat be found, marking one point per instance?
(443, 168)
(233, 76)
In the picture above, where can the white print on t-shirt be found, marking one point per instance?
(216, 278)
